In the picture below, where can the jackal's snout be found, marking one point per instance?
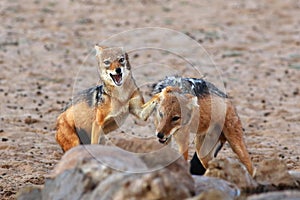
(117, 75)
(161, 137)
(118, 70)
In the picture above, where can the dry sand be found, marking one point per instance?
(43, 46)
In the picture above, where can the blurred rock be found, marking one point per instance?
(271, 175)
(231, 170)
(204, 183)
(274, 172)
(30, 193)
(98, 155)
(106, 172)
(70, 184)
(159, 184)
(286, 195)
(135, 144)
(156, 172)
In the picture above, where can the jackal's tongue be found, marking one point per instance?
(117, 78)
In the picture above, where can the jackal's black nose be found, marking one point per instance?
(118, 70)
(160, 135)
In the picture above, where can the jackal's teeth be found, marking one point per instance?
(117, 79)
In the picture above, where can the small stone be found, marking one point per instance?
(29, 120)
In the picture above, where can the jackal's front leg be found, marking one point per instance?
(182, 140)
(96, 133)
(140, 109)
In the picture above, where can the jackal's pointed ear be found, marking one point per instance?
(160, 96)
(128, 66)
(165, 92)
(191, 105)
(98, 49)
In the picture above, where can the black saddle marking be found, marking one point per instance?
(194, 86)
(92, 95)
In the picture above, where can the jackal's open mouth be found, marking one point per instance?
(163, 140)
(117, 79)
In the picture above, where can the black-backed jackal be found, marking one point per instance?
(103, 108)
(195, 105)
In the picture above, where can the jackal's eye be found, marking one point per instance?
(106, 62)
(122, 60)
(175, 118)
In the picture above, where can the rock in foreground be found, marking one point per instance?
(151, 172)
(104, 172)
(205, 184)
(274, 172)
(271, 175)
(231, 170)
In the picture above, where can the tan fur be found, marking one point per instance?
(203, 121)
(117, 102)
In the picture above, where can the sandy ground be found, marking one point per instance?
(43, 51)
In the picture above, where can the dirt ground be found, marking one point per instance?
(44, 44)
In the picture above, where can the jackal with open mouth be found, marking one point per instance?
(103, 108)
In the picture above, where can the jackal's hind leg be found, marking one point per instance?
(233, 133)
(238, 146)
(66, 135)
